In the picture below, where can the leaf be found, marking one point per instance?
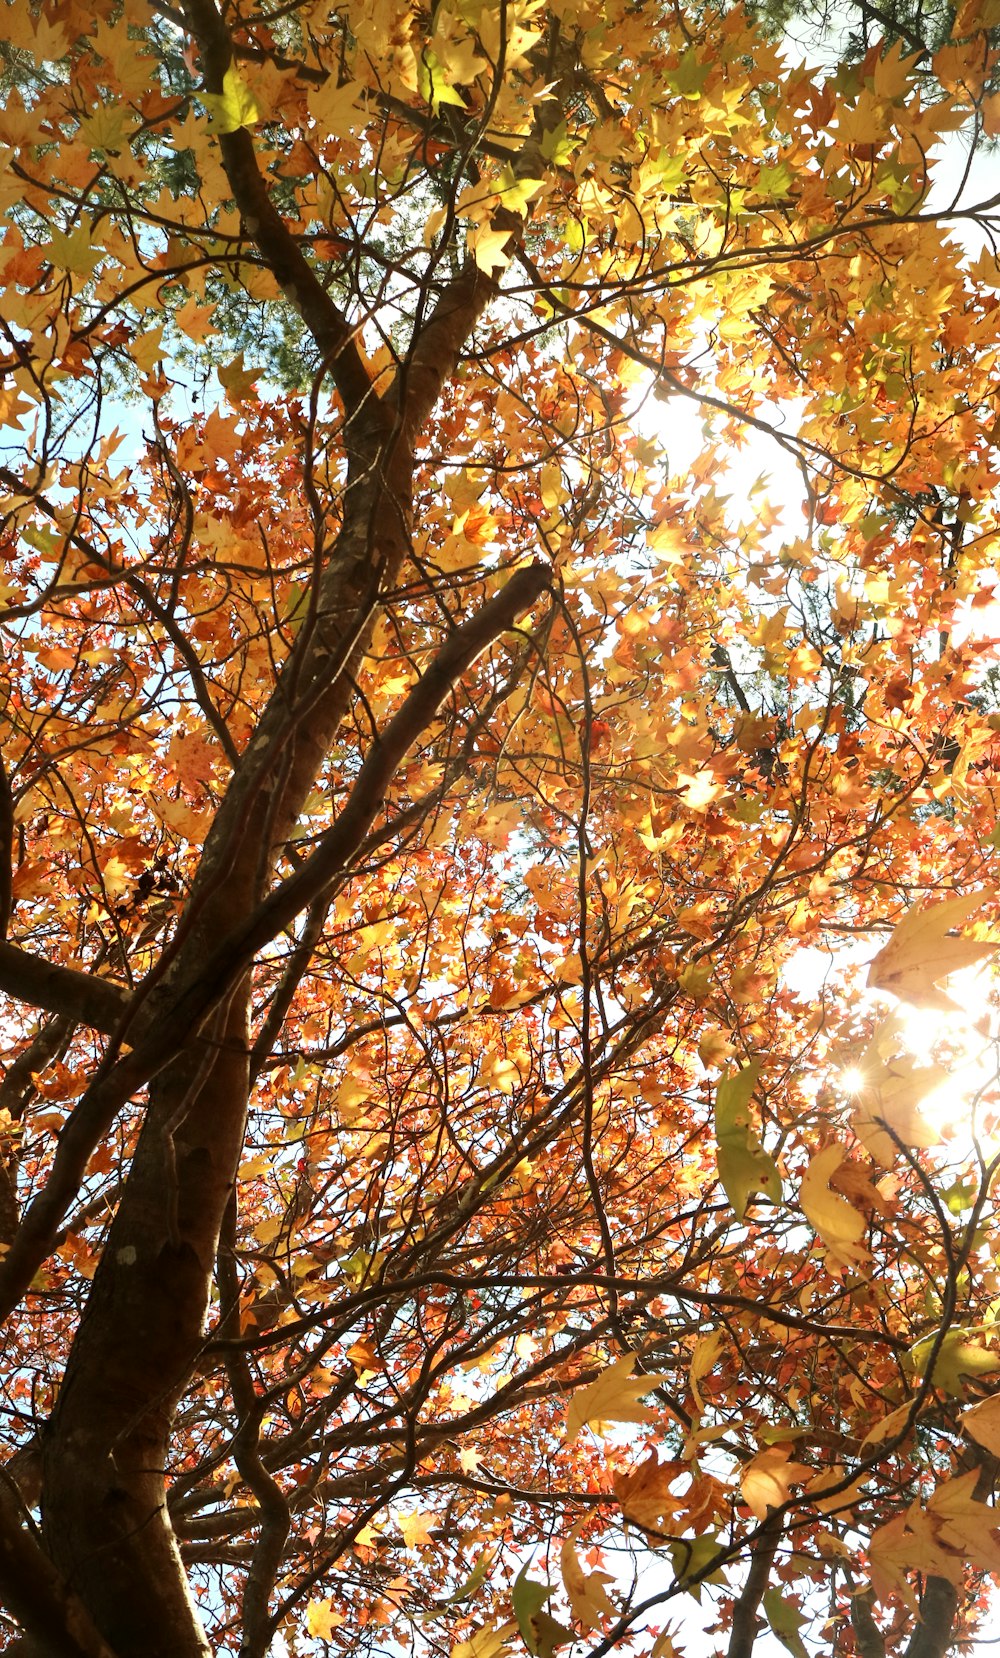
(539, 1630)
(767, 1479)
(923, 950)
(489, 1642)
(237, 380)
(690, 1556)
(233, 107)
(982, 1421)
(467, 1589)
(644, 1493)
(887, 1428)
(585, 1591)
(959, 1356)
(613, 1397)
(491, 249)
(838, 1223)
(706, 1350)
(965, 1524)
(785, 1620)
(322, 1620)
(743, 1167)
(416, 1528)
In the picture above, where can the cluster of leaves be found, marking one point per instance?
(412, 794)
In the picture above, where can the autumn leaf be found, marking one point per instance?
(644, 1492)
(786, 1620)
(416, 1528)
(982, 1421)
(839, 1224)
(585, 1591)
(491, 1641)
(924, 949)
(613, 1397)
(233, 107)
(322, 1619)
(743, 1167)
(958, 1357)
(541, 1633)
(767, 1479)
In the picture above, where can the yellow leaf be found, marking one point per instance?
(706, 1351)
(585, 1591)
(886, 1429)
(983, 1423)
(744, 1168)
(490, 248)
(614, 1397)
(233, 107)
(965, 1525)
(956, 1357)
(768, 1478)
(322, 1620)
(416, 1528)
(892, 73)
(489, 1642)
(923, 950)
(907, 1543)
(838, 1223)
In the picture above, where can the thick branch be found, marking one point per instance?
(744, 1627)
(34, 1592)
(82, 997)
(264, 225)
(932, 1636)
(340, 842)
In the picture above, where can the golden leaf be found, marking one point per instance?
(840, 1226)
(923, 950)
(613, 1397)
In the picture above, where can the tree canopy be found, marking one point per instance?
(443, 1207)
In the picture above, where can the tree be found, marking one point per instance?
(412, 793)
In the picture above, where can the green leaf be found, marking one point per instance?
(690, 75)
(689, 1556)
(785, 1620)
(466, 1590)
(540, 1631)
(233, 107)
(959, 1356)
(743, 1167)
(556, 145)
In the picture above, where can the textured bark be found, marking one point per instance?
(745, 1624)
(185, 1032)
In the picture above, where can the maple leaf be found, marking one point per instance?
(491, 249)
(233, 107)
(322, 1619)
(744, 1168)
(957, 1357)
(488, 1642)
(965, 1524)
(585, 1591)
(767, 1479)
(613, 1397)
(644, 1493)
(923, 950)
(982, 1421)
(416, 1528)
(541, 1633)
(839, 1224)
